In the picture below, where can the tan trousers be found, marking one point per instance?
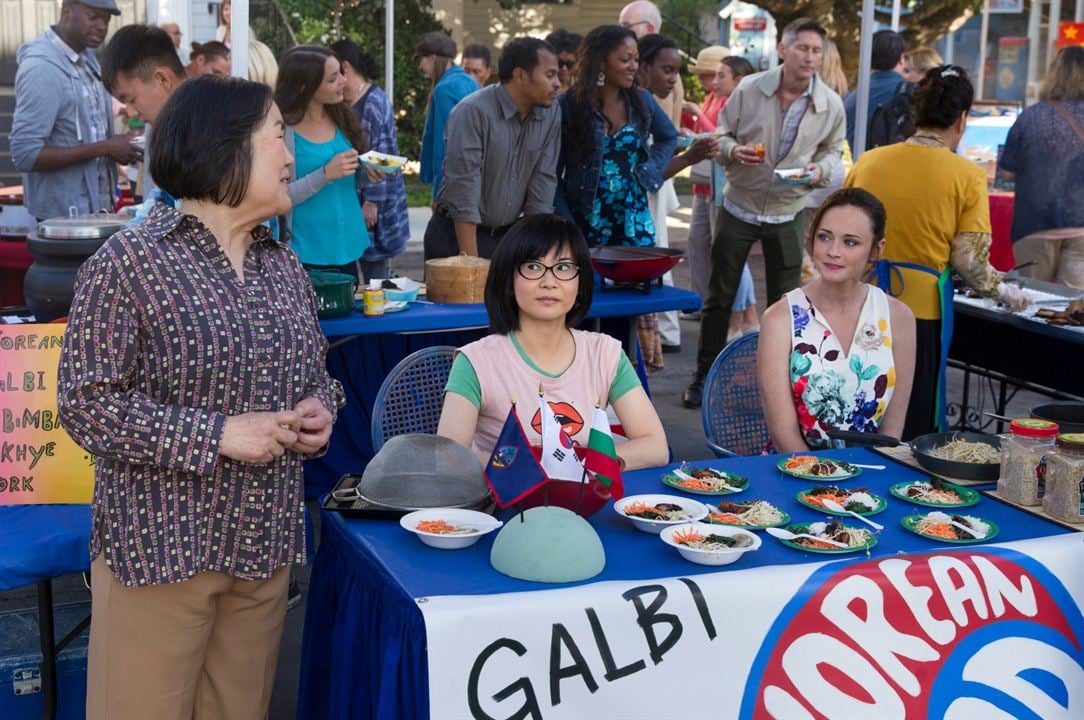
(1059, 255)
(203, 649)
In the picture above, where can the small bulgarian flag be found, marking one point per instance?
(1070, 33)
(601, 460)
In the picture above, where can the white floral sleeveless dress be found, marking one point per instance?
(835, 389)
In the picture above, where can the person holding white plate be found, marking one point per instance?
(326, 227)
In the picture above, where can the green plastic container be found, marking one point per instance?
(334, 292)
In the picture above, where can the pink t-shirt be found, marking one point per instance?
(503, 374)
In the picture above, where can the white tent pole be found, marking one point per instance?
(865, 53)
(389, 50)
(1052, 31)
(983, 36)
(896, 15)
(1078, 16)
(1035, 13)
(239, 38)
(152, 12)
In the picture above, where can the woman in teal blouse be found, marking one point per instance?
(326, 227)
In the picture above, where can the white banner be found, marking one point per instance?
(978, 632)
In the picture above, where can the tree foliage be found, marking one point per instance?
(322, 22)
(927, 20)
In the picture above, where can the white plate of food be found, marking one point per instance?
(651, 513)
(710, 544)
(812, 467)
(382, 162)
(449, 528)
(794, 176)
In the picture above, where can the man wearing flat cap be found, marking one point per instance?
(435, 54)
(62, 132)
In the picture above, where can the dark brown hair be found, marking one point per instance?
(854, 197)
(300, 74)
(201, 147)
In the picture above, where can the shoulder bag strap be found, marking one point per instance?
(1068, 117)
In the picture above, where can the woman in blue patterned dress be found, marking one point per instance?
(838, 353)
(607, 165)
(616, 143)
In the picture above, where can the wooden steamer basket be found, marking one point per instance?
(460, 279)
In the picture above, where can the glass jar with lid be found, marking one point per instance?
(1023, 460)
(1064, 499)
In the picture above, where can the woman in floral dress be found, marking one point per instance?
(811, 381)
(616, 142)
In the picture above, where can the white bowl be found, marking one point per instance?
(692, 509)
(710, 557)
(407, 292)
(479, 521)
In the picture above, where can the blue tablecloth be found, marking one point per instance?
(364, 646)
(366, 349)
(428, 317)
(42, 542)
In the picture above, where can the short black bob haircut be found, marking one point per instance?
(201, 147)
(136, 50)
(523, 53)
(531, 238)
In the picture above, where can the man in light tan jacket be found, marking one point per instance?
(781, 119)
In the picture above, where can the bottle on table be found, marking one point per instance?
(1023, 460)
(1064, 499)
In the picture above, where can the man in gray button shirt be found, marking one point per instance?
(501, 147)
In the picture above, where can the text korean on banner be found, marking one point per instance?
(993, 631)
(39, 462)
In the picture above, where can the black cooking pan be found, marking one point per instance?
(1068, 415)
(923, 445)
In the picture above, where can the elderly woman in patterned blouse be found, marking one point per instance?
(193, 369)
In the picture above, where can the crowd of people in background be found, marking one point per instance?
(563, 143)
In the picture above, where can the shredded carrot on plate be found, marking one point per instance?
(440, 527)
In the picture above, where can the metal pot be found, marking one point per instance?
(1068, 415)
(60, 246)
(633, 264)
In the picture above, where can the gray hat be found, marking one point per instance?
(432, 43)
(110, 5)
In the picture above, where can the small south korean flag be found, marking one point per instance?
(558, 456)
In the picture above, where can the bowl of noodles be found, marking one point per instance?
(963, 455)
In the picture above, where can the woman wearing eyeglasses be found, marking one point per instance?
(539, 288)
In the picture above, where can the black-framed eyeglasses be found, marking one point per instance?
(630, 26)
(566, 64)
(534, 270)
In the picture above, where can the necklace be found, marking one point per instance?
(363, 87)
(934, 139)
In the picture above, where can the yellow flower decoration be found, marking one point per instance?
(880, 410)
(886, 341)
(882, 325)
(891, 377)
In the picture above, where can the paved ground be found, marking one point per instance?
(683, 427)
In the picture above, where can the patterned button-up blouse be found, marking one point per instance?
(164, 341)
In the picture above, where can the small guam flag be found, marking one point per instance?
(601, 458)
(513, 472)
(1070, 33)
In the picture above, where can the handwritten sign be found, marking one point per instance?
(39, 462)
